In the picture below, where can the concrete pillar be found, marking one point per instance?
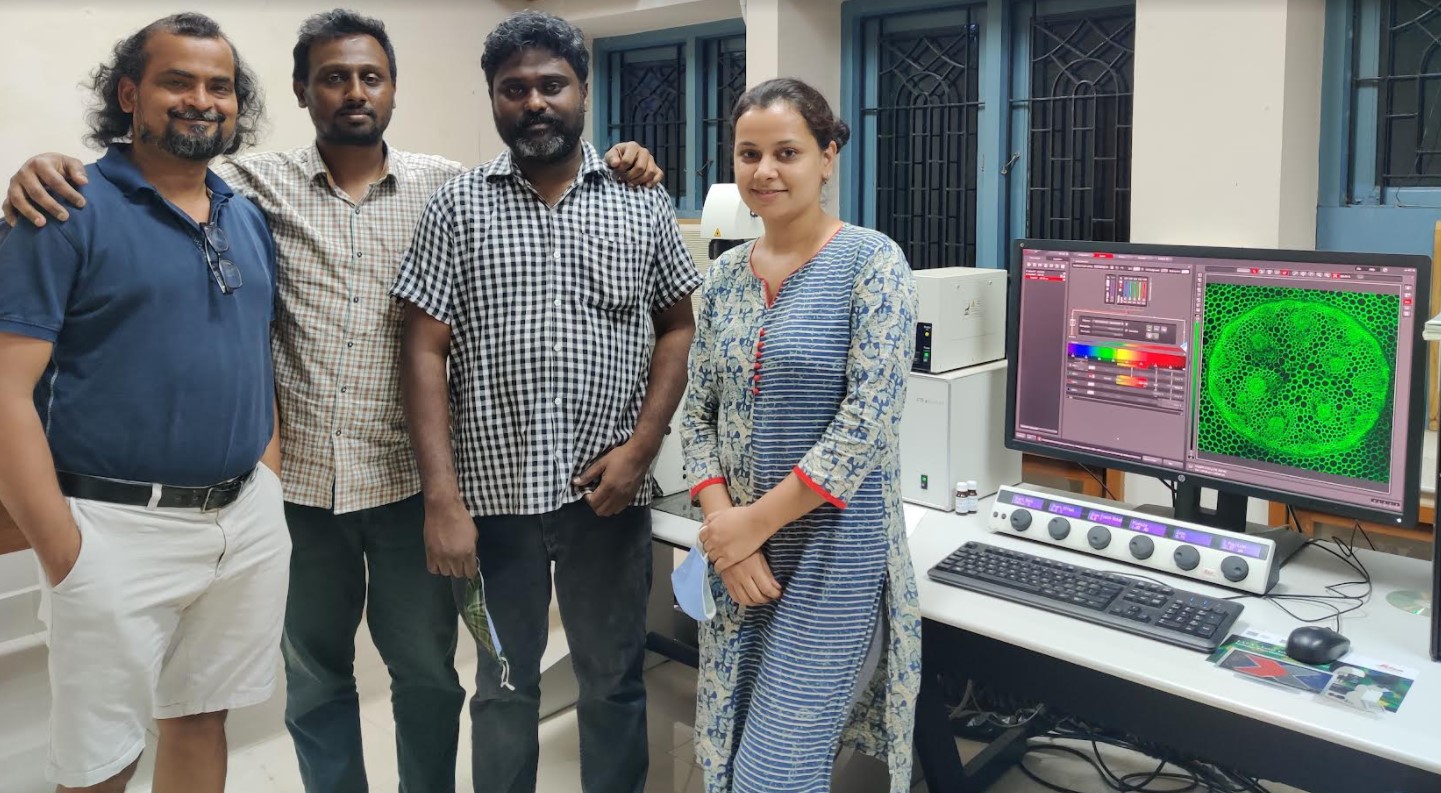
(1228, 108)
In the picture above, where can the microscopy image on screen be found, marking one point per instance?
(1299, 378)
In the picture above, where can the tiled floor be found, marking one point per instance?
(263, 761)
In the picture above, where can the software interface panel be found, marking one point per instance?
(1278, 375)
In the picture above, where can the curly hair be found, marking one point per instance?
(109, 123)
(806, 100)
(525, 30)
(335, 24)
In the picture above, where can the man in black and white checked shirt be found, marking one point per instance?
(556, 297)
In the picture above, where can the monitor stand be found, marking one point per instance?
(1229, 515)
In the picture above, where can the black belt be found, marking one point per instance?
(114, 491)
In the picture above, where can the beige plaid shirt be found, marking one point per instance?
(337, 331)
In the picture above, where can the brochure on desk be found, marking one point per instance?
(1354, 681)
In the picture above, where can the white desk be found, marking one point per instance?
(1409, 739)
(673, 530)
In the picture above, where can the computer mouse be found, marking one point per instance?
(1314, 644)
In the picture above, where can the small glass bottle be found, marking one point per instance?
(973, 497)
(960, 500)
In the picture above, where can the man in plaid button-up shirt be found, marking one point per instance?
(555, 298)
(342, 211)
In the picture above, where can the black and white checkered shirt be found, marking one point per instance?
(551, 315)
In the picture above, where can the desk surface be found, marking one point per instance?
(1410, 736)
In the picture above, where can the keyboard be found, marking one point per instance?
(1145, 608)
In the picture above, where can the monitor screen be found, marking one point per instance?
(1296, 375)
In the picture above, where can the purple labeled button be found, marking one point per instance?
(1193, 537)
(1027, 501)
(1147, 527)
(1106, 518)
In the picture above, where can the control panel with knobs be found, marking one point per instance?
(1111, 530)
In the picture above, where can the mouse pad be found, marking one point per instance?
(1272, 670)
(1357, 680)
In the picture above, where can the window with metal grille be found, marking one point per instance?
(649, 107)
(918, 132)
(723, 80)
(672, 91)
(1408, 152)
(1078, 184)
(1386, 118)
(1379, 186)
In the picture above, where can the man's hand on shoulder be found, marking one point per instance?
(29, 194)
(633, 164)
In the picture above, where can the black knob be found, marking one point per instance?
(1099, 537)
(1059, 528)
(1142, 547)
(1187, 557)
(1234, 568)
(1021, 520)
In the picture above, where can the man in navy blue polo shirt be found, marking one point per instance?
(136, 403)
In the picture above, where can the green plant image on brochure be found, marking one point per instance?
(1301, 378)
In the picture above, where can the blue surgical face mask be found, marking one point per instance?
(691, 584)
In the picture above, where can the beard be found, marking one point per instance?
(342, 133)
(183, 141)
(545, 146)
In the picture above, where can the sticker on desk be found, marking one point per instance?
(1286, 673)
(1355, 681)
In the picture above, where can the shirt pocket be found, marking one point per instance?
(613, 273)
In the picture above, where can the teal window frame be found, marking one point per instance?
(1354, 212)
(1001, 128)
(699, 139)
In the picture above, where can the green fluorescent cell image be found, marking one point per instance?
(1299, 377)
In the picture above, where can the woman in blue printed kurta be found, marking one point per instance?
(797, 379)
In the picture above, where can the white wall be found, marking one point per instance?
(799, 39)
(795, 38)
(50, 46)
(1226, 145)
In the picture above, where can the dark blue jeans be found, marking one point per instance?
(338, 563)
(602, 581)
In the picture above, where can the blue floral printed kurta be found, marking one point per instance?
(813, 383)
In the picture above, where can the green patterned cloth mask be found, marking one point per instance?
(482, 627)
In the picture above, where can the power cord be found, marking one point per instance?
(1346, 552)
(979, 708)
(970, 719)
(1100, 480)
(1185, 774)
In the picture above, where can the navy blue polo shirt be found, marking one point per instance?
(156, 375)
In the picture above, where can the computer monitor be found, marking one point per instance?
(1295, 376)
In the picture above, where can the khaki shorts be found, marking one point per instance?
(167, 613)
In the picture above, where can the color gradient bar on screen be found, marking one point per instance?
(1131, 381)
(1133, 355)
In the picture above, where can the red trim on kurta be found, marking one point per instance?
(820, 491)
(715, 480)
